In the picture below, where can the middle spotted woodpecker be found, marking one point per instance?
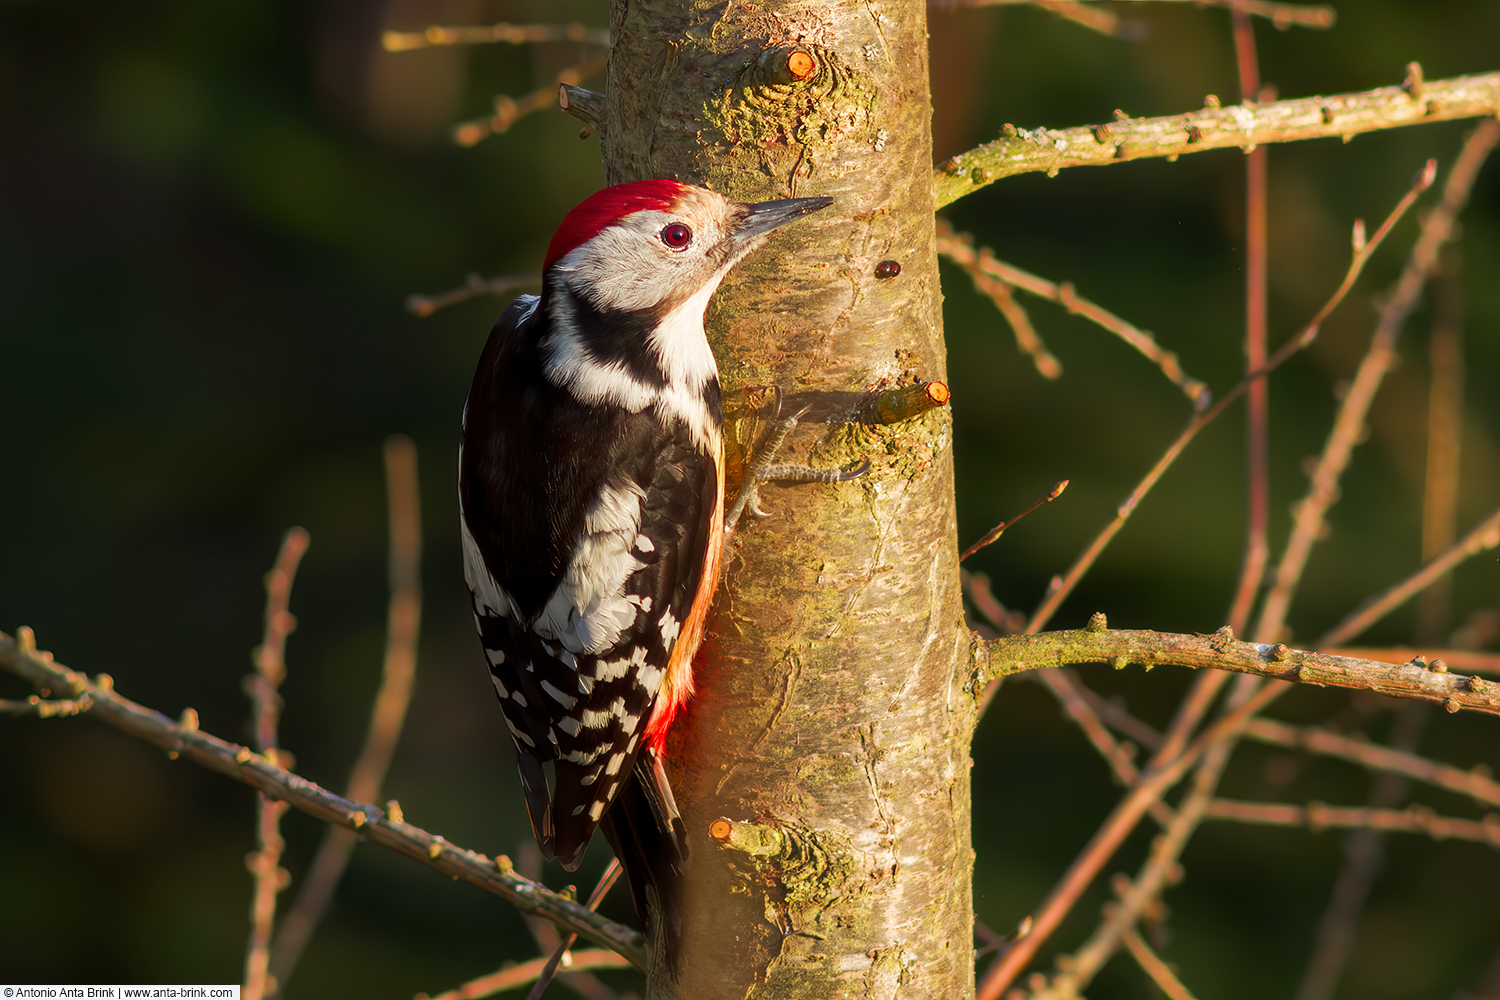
(591, 492)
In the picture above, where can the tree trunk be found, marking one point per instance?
(823, 767)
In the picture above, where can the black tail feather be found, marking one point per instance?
(649, 837)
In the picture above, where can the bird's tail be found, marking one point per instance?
(649, 837)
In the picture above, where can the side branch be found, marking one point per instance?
(20, 656)
(1244, 125)
(1222, 651)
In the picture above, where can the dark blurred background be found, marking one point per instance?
(211, 215)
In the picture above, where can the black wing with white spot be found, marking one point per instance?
(578, 620)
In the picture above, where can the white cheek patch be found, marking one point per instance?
(588, 612)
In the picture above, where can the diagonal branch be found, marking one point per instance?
(1317, 816)
(1241, 126)
(1475, 784)
(20, 656)
(1062, 586)
(1308, 521)
(387, 715)
(1484, 535)
(1283, 15)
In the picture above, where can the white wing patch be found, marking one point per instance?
(488, 594)
(669, 626)
(589, 610)
(567, 701)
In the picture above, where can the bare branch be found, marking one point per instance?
(387, 714)
(995, 278)
(1283, 15)
(509, 110)
(1476, 783)
(20, 656)
(1166, 769)
(1317, 816)
(1222, 651)
(1160, 972)
(1243, 126)
(263, 687)
(519, 975)
(1483, 536)
(1445, 417)
(488, 34)
(1308, 519)
(473, 287)
(1063, 585)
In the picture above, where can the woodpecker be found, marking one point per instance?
(591, 498)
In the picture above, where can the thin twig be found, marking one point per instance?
(977, 589)
(488, 34)
(387, 714)
(1475, 783)
(509, 110)
(1115, 715)
(263, 687)
(995, 278)
(1257, 399)
(979, 266)
(45, 708)
(1095, 18)
(1445, 417)
(1063, 585)
(1154, 781)
(1160, 972)
(1364, 856)
(473, 287)
(1283, 15)
(1316, 816)
(1160, 869)
(516, 976)
(1309, 518)
(1065, 687)
(389, 829)
(1241, 126)
(606, 882)
(1483, 536)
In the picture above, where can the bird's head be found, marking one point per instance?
(652, 245)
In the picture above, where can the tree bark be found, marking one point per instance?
(823, 768)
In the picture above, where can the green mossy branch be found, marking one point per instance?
(1222, 651)
(1245, 126)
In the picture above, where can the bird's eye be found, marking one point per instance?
(677, 236)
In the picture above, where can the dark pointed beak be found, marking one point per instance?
(763, 217)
